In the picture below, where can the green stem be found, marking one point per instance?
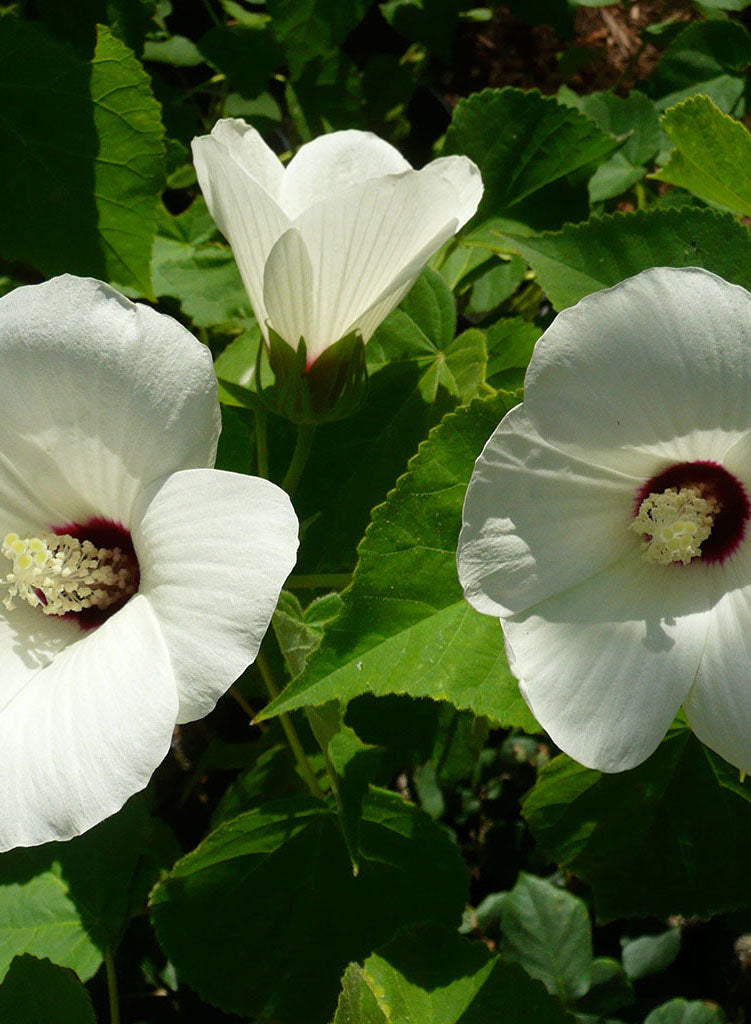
(289, 730)
(212, 14)
(327, 580)
(300, 455)
(262, 451)
(641, 195)
(109, 967)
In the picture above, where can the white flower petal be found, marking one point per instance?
(464, 175)
(99, 397)
(288, 283)
(361, 241)
(247, 148)
(718, 705)
(661, 362)
(367, 322)
(605, 665)
(215, 549)
(29, 641)
(537, 520)
(237, 179)
(86, 732)
(332, 163)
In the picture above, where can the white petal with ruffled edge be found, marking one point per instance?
(660, 362)
(99, 397)
(86, 732)
(244, 208)
(537, 520)
(215, 549)
(605, 665)
(326, 166)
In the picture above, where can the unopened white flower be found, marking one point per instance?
(607, 521)
(330, 244)
(135, 583)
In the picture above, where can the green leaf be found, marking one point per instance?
(431, 22)
(649, 840)
(547, 931)
(494, 285)
(583, 258)
(610, 989)
(310, 28)
(129, 20)
(430, 975)
(712, 154)
(37, 990)
(709, 57)
(405, 626)
(510, 342)
(178, 51)
(83, 157)
(236, 365)
(281, 913)
(681, 1011)
(650, 954)
(357, 1003)
(633, 117)
(200, 273)
(541, 142)
(70, 901)
(272, 777)
(418, 372)
(247, 55)
(299, 631)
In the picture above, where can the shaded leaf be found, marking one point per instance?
(707, 57)
(281, 912)
(683, 1011)
(432, 976)
(648, 840)
(522, 141)
(650, 954)
(547, 931)
(70, 901)
(83, 157)
(36, 991)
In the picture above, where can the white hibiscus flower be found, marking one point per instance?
(330, 244)
(607, 521)
(136, 583)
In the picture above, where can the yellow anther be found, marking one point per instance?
(674, 524)
(69, 574)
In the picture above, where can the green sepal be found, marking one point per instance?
(332, 388)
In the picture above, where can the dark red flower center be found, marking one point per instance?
(710, 480)
(103, 533)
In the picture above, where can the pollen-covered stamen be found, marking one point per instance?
(675, 523)
(62, 574)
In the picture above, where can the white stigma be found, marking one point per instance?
(675, 524)
(63, 574)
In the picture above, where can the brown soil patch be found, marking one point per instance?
(608, 49)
